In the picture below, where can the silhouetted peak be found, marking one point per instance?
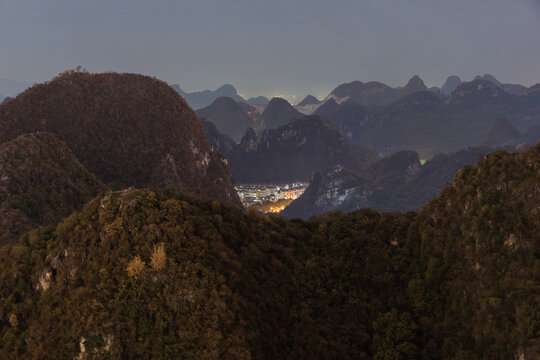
(451, 83)
(259, 100)
(6, 100)
(225, 101)
(309, 100)
(415, 84)
(226, 90)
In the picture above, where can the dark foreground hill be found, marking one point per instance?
(140, 274)
(40, 183)
(127, 129)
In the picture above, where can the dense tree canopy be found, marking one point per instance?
(459, 280)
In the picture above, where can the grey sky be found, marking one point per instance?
(275, 46)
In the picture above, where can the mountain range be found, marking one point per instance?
(229, 117)
(292, 152)
(430, 123)
(395, 183)
(375, 93)
(201, 99)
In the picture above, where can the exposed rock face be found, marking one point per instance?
(397, 183)
(340, 189)
(129, 130)
(229, 117)
(40, 183)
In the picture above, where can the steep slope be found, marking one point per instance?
(451, 83)
(430, 124)
(40, 183)
(220, 142)
(6, 100)
(375, 93)
(479, 241)
(434, 175)
(349, 118)
(229, 117)
(294, 151)
(140, 274)
(201, 99)
(127, 129)
(501, 134)
(397, 183)
(391, 172)
(259, 100)
(278, 113)
(309, 100)
(339, 189)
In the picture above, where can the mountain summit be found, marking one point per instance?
(127, 129)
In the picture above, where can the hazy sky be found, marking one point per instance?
(273, 47)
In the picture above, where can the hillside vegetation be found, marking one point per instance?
(143, 274)
(127, 129)
(40, 183)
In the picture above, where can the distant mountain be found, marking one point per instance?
(41, 182)
(220, 142)
(293, 152)
(501, 134)
(6, 100)
(531, 136)
(229, 117)
(337, 188)
(349, 118)
(429, 123)
(509, 88)
(392, 172)
(11, 88)
(451, 83)
(278, 113)
(489, 78)
(201, 99)
(396, 183)
(374, 93)
(128, 130)
(309, 100)
(514, 89)
(259, 100)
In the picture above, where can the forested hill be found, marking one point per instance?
(140, 274)
(40, 183)
(127, 129)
